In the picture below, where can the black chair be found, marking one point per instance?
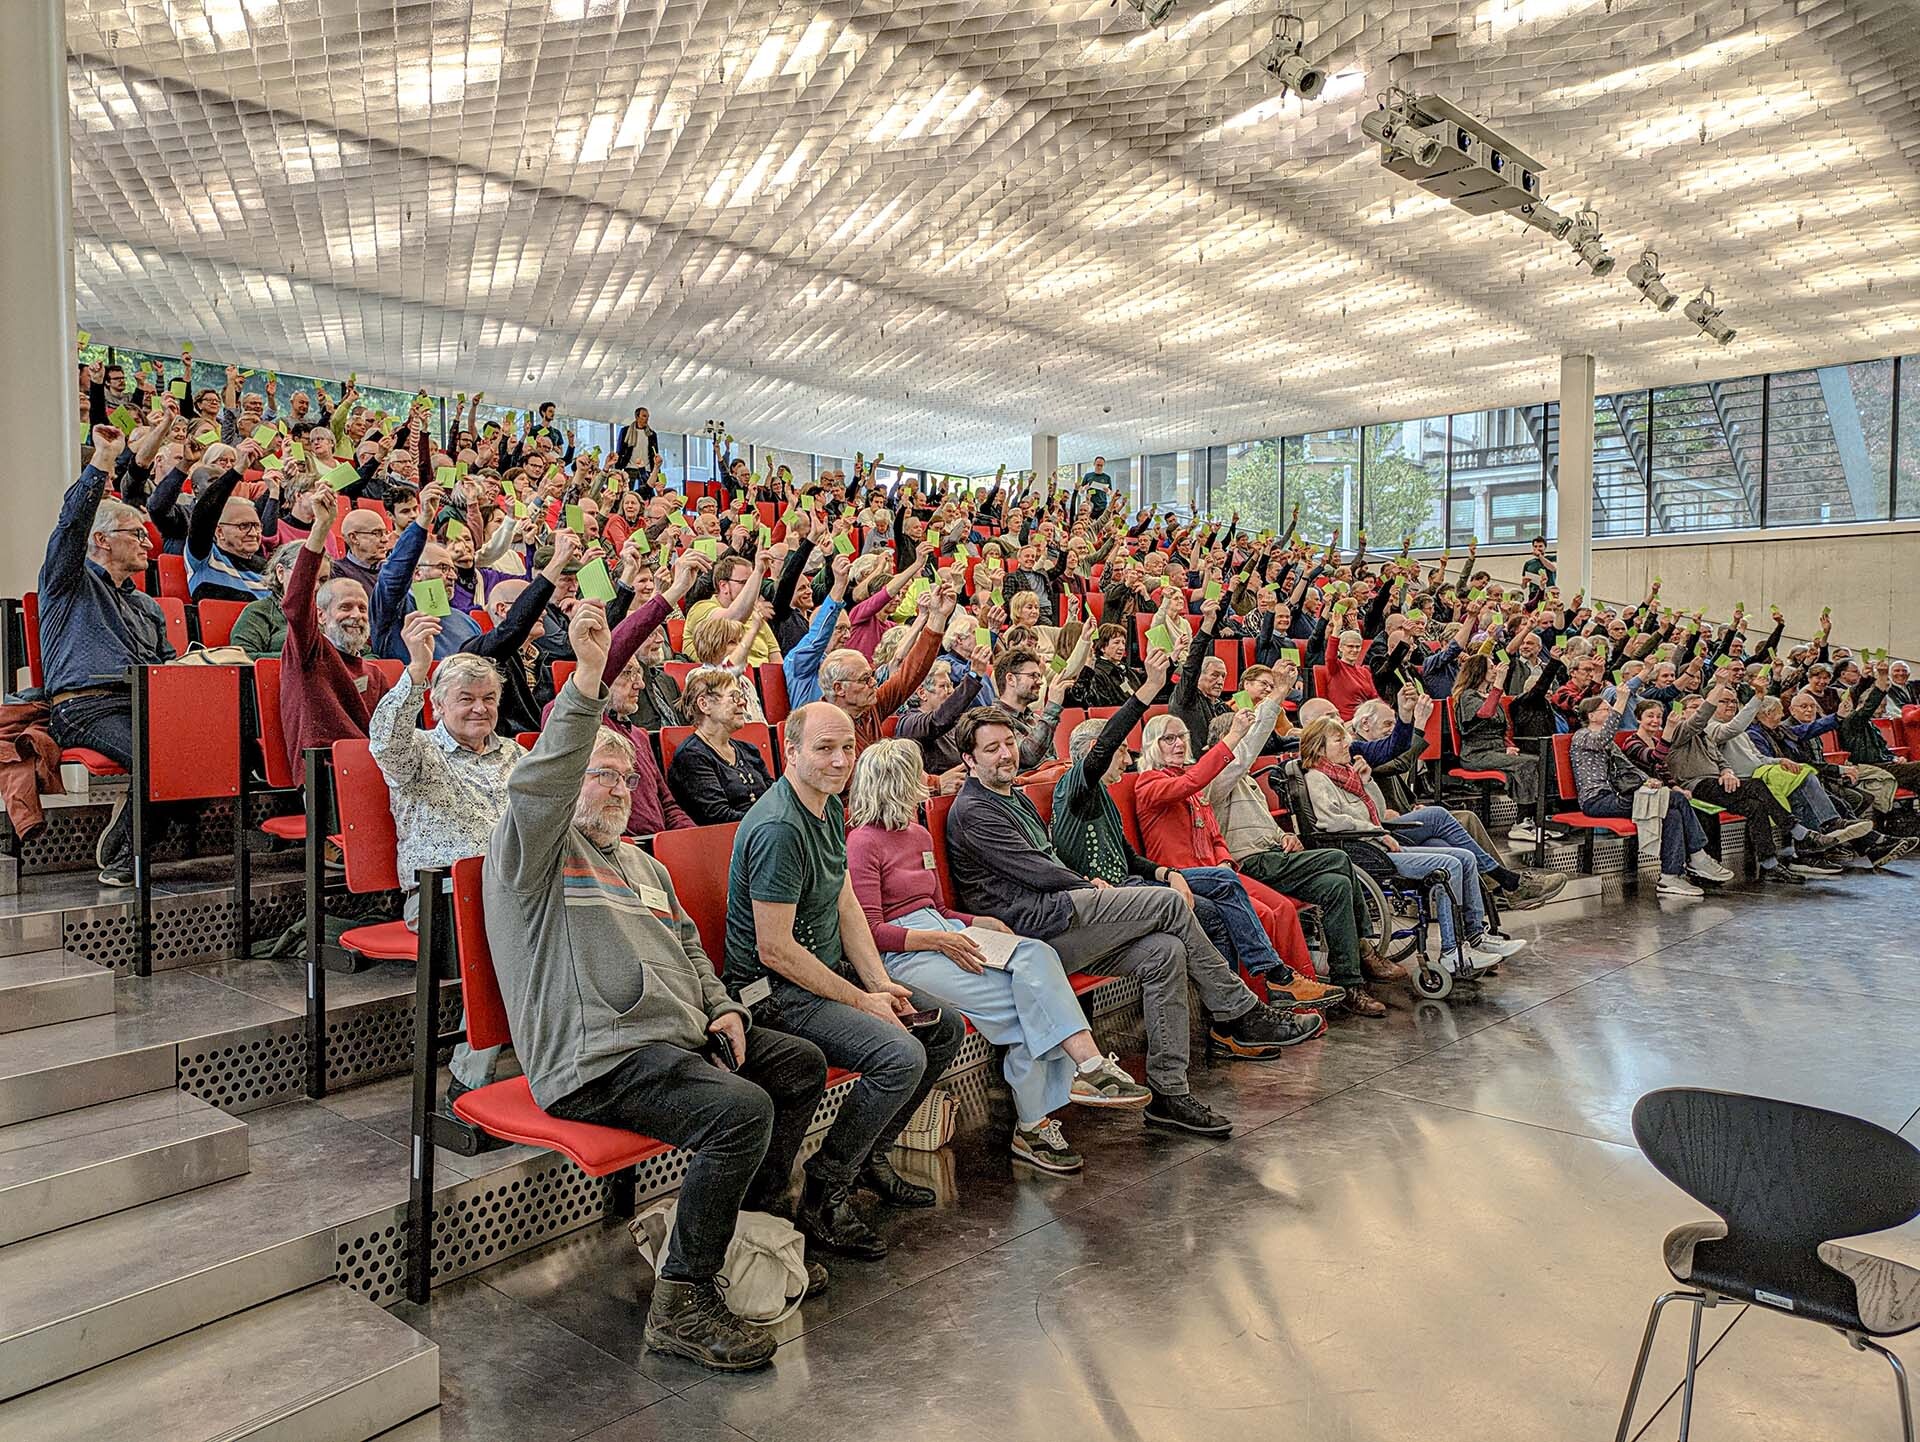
(1785, 1180)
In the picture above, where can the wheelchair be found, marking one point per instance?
(1400, 909)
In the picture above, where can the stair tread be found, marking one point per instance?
(149, 1011)
(331, 1172)
(229, 1377)
(29, 968)
(67, 1141)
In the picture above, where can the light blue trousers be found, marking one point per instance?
(1029, 1009)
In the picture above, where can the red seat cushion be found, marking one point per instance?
(95, 763)
(1618, 825)
(835, 1074)
(1461, 774)
(383, 941)
(1083, 982)
(287, 828)
(507, 1109)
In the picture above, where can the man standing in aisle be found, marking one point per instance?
(800, 954)
(1099, 488)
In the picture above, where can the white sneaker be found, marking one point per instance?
(1702, 863)
(1526, 831)
(1677, 886)
(1479, 958)
(1500, 945)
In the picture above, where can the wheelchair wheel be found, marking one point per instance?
(1380, 928)
(1432, 981)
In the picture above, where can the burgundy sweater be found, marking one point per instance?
(892, 875)
(324, 696)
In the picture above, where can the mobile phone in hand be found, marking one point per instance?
(914, 1020)
(720, 1047)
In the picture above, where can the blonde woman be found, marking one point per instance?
(719, 641)
(1026, 1006)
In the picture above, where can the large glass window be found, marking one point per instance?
(1321, 481)
(1620, 464)
(1405, 484)
(800, 463)
(673, 456)
(1247, 480)
(1495, 494)
(1169, 481)
(699, 458)
(1906, 500)
(1706, 456)
(1828, 435)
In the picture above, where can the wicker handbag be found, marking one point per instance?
(931, 1125)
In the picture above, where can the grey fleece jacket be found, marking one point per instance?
(1702, 745)
(594, 953)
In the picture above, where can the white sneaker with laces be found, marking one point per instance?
(1702, 863)
(1677, 886)
(1480, 959)
(1500, 945)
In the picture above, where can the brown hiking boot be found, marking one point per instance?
(1376, 967)
(1301, 990)
(691, 1320)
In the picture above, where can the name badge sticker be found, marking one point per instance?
(926, 860)
(756, 992)
(655, 899)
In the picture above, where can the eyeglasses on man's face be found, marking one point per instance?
(613, 780)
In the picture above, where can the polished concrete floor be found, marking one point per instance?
(1432, 1227)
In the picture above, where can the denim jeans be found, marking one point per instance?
(1436, 827)
(1247, 942)
(743, 1129)
(897, 1069)
(1458, 866)
(1811, 806)
(1681, 833)
(1028, 1008)
(1149, 933)
(103, 724)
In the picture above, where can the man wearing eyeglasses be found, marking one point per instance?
(225, 558)
(416, 556)
(619, 1020)
(95, 626)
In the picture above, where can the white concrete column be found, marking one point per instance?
(37, 363)
(1046, 459)
(1575, 545)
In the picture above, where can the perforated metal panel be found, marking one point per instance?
(246, 1070)
(187, 930)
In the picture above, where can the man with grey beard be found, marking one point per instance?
(619, 1019)
(328, 688)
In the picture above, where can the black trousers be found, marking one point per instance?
(743, 1128)
(1750, 799)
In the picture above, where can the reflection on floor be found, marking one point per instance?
(1430, 1227)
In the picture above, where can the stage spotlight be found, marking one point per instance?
(1644, 276)
(1398, 130)
(1584, 237)
(1154, 12)
(1282, 59)
(1542, 216)
(1704, 313)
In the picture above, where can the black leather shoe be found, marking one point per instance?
(827, 1219)
(879, 1177)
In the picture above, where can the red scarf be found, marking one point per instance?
(1347, 779)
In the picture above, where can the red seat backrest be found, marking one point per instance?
(1122, 793)
(1096, 604)
(1229, 652)
(174, 610)
(173, 576)
(698, 858)
(1830, 742)
(937, 809)
(527, 739)
(680, 670)
(773, 692)
(217, 620)
(1070, 717)
(1431, 751)
(1137, 736)
(1040, 793)
(482, 617)
(283, 771)
(562, 670)
(676, 632)
(367, 837)
(30, 623)
(193, 732)
(753, 734)
(479, 987)
(1319, 680)
(1563, 767)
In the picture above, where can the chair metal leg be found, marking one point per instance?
(1646, 1350)
(1899, 1379)
(1693, 1366)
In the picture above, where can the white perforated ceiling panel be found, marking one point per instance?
(937, 227)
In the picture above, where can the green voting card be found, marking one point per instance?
(264, 436)
(843, 543)
(178, 389)
(456, 530)
(445, 476)
(708, 547)
(982, 636)
(122, 418)
(430, 597)
(341, 476)
(576, 520)
(1160, 639)
(595, 583)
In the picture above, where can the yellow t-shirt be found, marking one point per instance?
(763, 649)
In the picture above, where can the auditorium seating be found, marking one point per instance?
(1556, 772)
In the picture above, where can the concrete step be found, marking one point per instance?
(322, 1365)
(73, 1064)
(103, 1289)
(41, 988)
(74, 1166)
